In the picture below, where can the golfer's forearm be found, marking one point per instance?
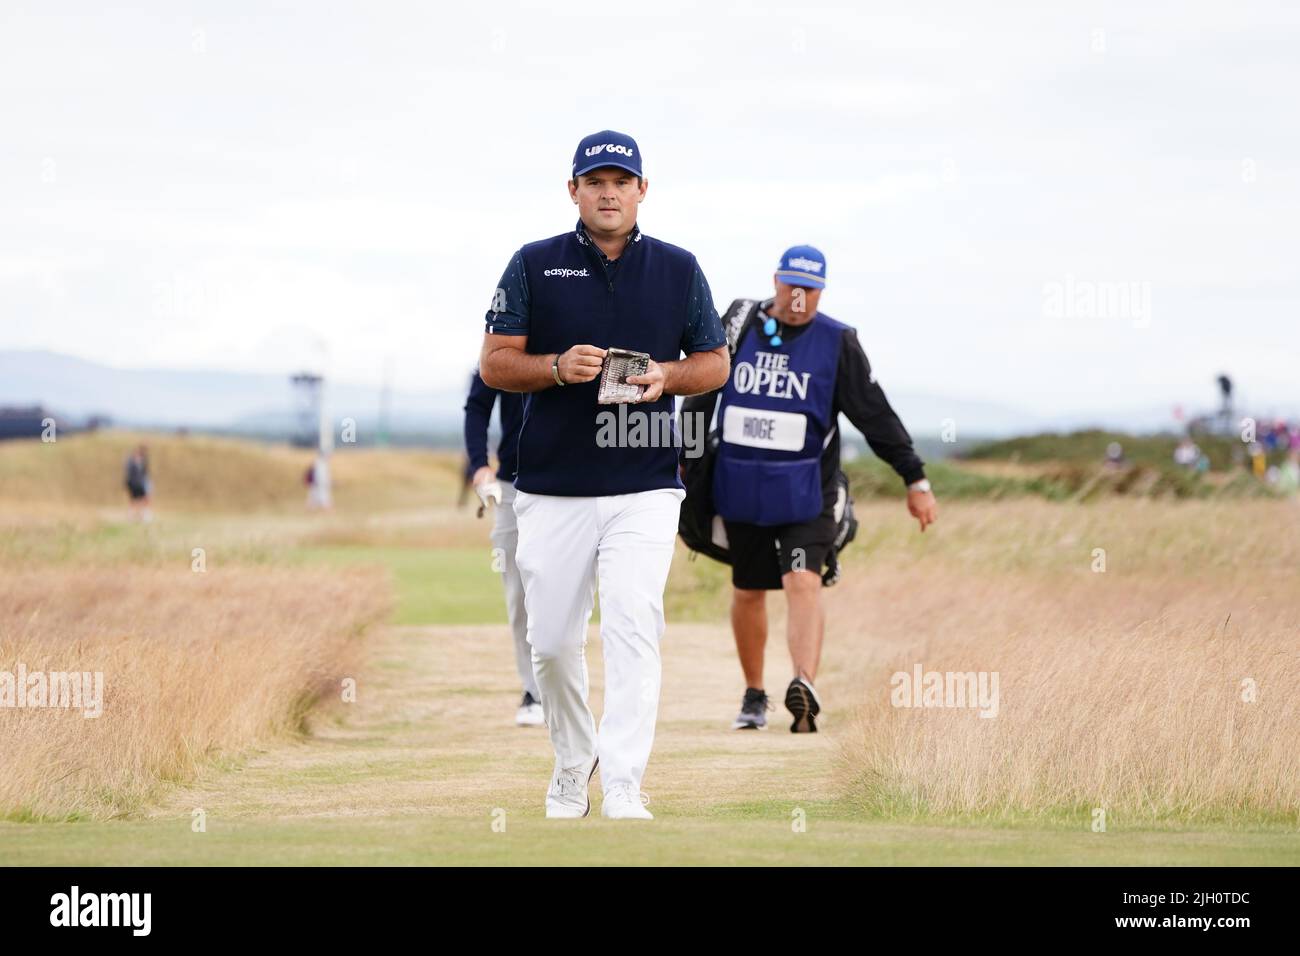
(513, 370)
(698, 372)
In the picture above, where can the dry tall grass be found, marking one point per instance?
(194, 665)
(1127, 691)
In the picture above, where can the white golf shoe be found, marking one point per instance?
(624, 802)
(567, 798)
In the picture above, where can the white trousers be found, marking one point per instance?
(567, 546)
(505, 540)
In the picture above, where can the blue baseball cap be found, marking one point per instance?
(803, 266)
(607, 148)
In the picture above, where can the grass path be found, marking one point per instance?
(421, 766)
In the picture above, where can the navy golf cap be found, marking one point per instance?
(803, 266)
(607, 148)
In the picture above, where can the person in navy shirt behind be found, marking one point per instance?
(500, 488)
(590, 510)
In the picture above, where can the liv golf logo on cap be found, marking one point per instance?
(607, 148)
(611, 147)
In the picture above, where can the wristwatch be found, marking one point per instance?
(921, 485)
(555, 370)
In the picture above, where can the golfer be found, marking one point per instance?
(499, 488)
(590, 511)
(774, 483)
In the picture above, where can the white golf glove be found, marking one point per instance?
(489, 492)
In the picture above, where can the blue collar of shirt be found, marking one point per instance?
(581, 233)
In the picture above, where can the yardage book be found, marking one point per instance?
(618, 365)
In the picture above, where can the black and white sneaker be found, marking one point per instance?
(801, 700)
(753, 711)
(529, 713)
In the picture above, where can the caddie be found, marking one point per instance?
(794, 371)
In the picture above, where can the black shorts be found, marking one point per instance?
(760, 555)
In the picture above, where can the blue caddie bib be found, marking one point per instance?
(774, 420)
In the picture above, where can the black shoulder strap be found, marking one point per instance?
(737, 320)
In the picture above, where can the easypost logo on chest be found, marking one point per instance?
(566, 273)
(769, 374)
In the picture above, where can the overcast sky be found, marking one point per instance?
(1091, 206)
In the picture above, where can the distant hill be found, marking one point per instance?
(205, 473)
(205, 399)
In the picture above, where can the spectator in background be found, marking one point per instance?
(1288, 477)
(139, 485)
(1258, 460)
(317, 479)
(309, 479)
(1270, 436)
(1187, 454)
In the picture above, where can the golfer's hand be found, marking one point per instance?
(581, 364)
(653, 380)
(482, 475)
(923, 507)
